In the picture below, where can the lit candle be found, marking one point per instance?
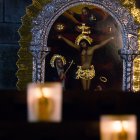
(119, 130)
(121, 127)
(44, 102)
(123, 134)
(44, 106)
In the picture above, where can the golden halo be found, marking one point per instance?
(83, 37)
(55, 56)
(103, 79)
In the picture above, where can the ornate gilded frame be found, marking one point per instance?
(39, 19)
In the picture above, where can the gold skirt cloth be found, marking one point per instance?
(86, 74)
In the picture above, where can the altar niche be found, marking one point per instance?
(97, 40)
(90, 38)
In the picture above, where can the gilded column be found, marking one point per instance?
(39, 56)
(128, 57)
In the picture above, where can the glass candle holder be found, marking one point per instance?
(44, 102)
(120, 127)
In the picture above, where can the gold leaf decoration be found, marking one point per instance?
(131, 5)
(24, 63)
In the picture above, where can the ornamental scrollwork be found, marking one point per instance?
(40, 22)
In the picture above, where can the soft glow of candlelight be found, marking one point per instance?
(120, 130)
(118, 127)
(44, 102)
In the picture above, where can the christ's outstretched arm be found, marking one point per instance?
(102, 43)
(70, 43)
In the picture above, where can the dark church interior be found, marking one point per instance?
(81, 111)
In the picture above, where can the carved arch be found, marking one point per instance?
(50, 11)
